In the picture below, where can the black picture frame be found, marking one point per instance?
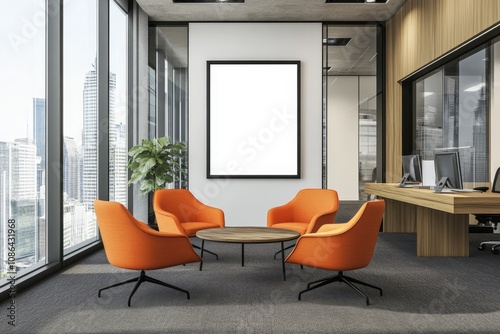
(253, 119)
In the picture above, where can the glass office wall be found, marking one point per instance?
(352, 93)
(168, 86)
(118, 97)
(452, 113)
(152, 126)
(22, 138)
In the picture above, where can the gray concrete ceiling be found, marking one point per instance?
(357, 58)
(269, 10)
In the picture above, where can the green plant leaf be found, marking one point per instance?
(148, 164)
(163, 141)
(155, 163)
(135, 177)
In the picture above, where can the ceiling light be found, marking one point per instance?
(336, 41)
(475, 88)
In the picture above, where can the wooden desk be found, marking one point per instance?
(441, 220)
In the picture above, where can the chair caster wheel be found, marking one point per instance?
(480, 247)
(495, 251)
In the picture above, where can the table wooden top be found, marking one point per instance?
(247, 234)
(456, 203)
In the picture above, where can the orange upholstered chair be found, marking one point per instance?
(306, 212)
(341, 247)
(131, 244)
(180, 207)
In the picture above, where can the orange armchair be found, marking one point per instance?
(130, 244)
(341, 247)
(179, 208)
(306, 212)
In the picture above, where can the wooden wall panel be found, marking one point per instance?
(421, 31)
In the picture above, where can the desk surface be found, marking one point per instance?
(455, 203)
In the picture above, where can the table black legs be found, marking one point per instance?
(243, 256)
(201, 252)
(283, 260)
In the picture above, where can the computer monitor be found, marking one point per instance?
(447, 164)
(412, 167)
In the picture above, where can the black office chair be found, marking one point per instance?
(493, 219)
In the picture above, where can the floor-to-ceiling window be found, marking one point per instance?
(80, 121)
(118, 97)
(22, 138)
(56, 117)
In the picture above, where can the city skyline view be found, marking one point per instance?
(24, 44)
(22, 139)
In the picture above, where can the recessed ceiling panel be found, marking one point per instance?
(359, 56)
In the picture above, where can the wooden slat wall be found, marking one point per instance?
(421, 31)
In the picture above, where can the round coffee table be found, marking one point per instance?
(248, 235)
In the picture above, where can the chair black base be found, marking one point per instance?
(495, 246)
(340, 277)
(142, 278)
(283, 255)
(287, 247)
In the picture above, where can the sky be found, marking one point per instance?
(22, 63)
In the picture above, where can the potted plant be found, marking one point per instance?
(154, 164)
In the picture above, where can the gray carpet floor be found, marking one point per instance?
(421, 295)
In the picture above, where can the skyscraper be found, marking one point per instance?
(5, 200)
(39, 140)
(71, 169)
(118, 165)
(39, 129)
(18, 172)
(479, 139)
(89, 157)
(90, 134)
(89, 139)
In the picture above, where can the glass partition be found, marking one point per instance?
(452, 114)
(352, 90)
(168, 87)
